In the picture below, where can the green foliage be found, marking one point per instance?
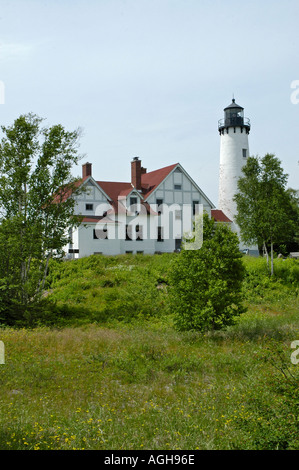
(135, 289)
(259, 285)
(35, 210)
(267, 212)
(206, 283)
(129, 380)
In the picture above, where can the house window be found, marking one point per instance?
(129, 252)
(177, 186)
(128, 232)
(89, 207)
(73, 250)
(70, 236)
(100, 234)
(159, 202)
(195, 207)
(160, 234)
(139, 252)
(139, 232)
(244, 152)
(133, 201)
(133, 204)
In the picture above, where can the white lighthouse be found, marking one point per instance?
(234, 129)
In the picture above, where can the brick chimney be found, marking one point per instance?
(86, 169)
(136, 173)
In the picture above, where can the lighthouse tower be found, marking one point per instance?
(234, 129)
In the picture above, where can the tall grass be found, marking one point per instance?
(141, 388)
(112, 373)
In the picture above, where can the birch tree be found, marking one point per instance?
(36, 207)
(265, 211)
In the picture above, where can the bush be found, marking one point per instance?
(206, 283)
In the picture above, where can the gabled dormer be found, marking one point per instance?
(133, 201)
(173, 184)
(92, 195)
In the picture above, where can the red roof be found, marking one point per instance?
(115, 190)
(219, 216)
(150, 181)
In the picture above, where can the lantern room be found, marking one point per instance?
(234, 117)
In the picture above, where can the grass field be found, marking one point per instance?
(115, 374)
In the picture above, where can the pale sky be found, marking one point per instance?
(150, 78)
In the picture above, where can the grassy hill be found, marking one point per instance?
(129, 288)
(106, 369)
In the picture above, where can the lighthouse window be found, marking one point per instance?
(244, 153)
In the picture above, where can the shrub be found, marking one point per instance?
(206, 283)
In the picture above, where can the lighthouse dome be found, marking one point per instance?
(233, 105)
(233, 117)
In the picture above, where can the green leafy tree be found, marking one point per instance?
(35, 208)
(206, 284)
(265, 210)
(292, 243)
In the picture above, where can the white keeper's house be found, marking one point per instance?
(147, 215)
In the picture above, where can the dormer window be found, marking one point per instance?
(134, 205)
(133, 200)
